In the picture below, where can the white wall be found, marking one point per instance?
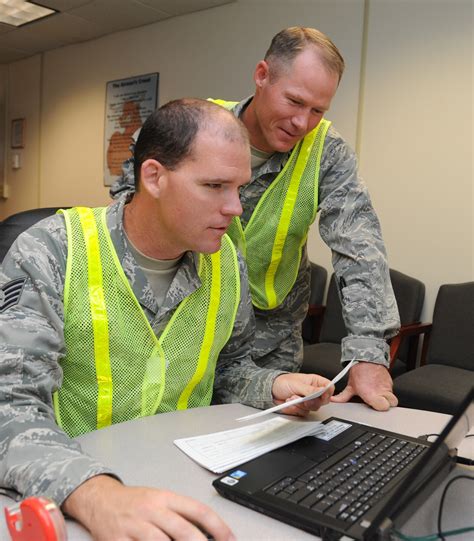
(416, 147)
(23, 100)
(415, 129)
(204, 54)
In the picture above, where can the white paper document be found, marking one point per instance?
(341, 374)
(221, 451)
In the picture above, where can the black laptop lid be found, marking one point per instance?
(451, 437)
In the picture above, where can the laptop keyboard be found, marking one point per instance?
(346, 488)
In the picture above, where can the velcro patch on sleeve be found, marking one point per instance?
(10, 293)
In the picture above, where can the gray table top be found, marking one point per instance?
(142, 452)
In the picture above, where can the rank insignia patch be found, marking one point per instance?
(10, 293)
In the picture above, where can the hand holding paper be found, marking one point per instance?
(296, 401)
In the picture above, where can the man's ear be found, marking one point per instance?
(261, 74)
(151, 176)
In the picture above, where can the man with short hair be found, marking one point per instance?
(127, 311)
(301, 165)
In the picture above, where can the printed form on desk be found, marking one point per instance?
(221, 451)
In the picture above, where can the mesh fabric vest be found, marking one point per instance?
(273, 239)
(115, 368)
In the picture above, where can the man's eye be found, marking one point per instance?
(213, 186)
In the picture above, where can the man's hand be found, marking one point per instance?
(112, 511)
(289, 386)
(373, 383)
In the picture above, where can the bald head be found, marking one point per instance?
(169, 133)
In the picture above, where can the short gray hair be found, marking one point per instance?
(289, 42)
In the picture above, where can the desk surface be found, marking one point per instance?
(142, 453)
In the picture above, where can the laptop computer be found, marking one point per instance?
(356, 482)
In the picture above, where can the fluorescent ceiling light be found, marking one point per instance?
(19, 12)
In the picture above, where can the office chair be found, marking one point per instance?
(312, 323)
(15, 224)
(324, 358)
(446, 373)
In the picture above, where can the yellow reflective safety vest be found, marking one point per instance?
(116, 369)
(274, 237)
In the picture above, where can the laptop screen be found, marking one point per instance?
(451, 437)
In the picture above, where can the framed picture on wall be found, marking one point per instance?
(128, 103)
(18, 133)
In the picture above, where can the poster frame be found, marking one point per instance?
(128, 102)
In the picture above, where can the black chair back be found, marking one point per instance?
(409, 294)
(451, 341)
(319, 275)
(333, 328)
(318, 279)
(15, 224)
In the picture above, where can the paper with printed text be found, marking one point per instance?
(296, 401)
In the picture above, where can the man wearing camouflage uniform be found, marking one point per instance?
(294, 87)
(163, 252)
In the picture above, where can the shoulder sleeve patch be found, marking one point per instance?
(10, 293)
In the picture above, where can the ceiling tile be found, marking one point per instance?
(4, 28)
(179, 7)
(63, 5)
(11, 55)
(55, 31)
(81, 20)
(115, 15)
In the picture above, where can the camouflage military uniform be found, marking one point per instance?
(349, 226)
(37, 457)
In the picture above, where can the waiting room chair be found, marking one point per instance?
(324, 358)
(15, 224)
(446, 373)
(312, 322)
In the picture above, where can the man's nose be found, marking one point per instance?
(300, 121)
(232, 205)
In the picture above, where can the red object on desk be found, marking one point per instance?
(36, 519)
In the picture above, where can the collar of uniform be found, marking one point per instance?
(276, 161)
(186, 279)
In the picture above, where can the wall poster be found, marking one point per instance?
(128, 103)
